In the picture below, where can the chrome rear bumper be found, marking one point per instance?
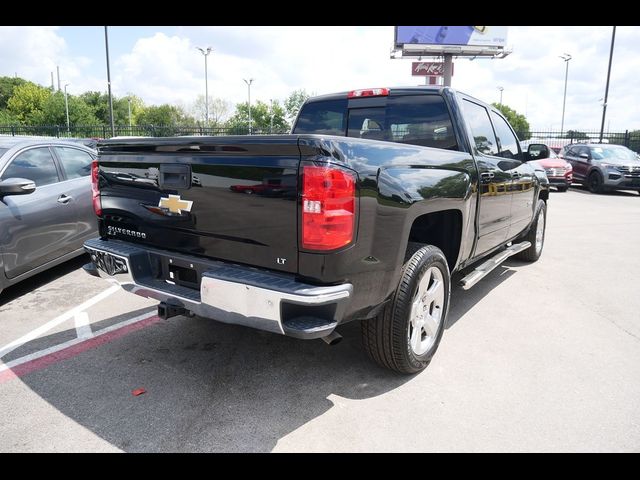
(229, 293)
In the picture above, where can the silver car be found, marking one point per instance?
(602, 166)
(46, 210)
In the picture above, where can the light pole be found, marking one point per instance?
(606, 92)
(271, 115)
(106, 46)
(129, 101)
(249, 82)
(66, 105)
(566, 57)
(501, 89)
(206, 82)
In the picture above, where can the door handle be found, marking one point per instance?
(486, 176)
(64, 199)
(516, 175)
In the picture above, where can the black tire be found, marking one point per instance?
(595, 182)
(562, 189)
(532, 253)
(386, 338)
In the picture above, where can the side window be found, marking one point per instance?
(76, 163)
(582, 150)
(481, 129)
(506, 139)
(35, 164)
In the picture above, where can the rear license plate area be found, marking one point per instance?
(180, 272)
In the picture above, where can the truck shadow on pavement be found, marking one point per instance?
(211, 387)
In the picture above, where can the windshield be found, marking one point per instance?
(612, 153)
(414, 119)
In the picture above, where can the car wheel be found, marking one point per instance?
(562, 189)
(406, 334)
(535, 235)
(595, 182)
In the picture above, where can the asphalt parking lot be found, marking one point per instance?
(539, 357)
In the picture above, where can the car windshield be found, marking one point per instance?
(617, 153)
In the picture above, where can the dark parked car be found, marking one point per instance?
(46, 208)
(604, 167)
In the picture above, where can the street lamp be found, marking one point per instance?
(566, 57)
(206, 82)
(249, 82)
(129, 101)
(501, 89)
(271, 115)
(66, 105)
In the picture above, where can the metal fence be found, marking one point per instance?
(554, 138)
(560, 139)
(104, 131)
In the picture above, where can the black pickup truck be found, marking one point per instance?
(363, 212)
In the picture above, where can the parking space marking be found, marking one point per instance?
(83, 329)
(32, 335)
(39, 360)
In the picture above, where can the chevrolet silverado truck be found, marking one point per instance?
(362, 213)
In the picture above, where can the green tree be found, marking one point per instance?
(576, 135)
(294, 102)
(218, 110)
(165, 120)
(8, 118)
(27, 101)
(54, 111)
(517, 120)
(7, 85)
(260, 118)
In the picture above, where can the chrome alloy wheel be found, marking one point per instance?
(426, 311)
(540, 232)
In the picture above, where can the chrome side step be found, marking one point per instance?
(479, 273)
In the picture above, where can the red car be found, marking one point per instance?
(558, 170)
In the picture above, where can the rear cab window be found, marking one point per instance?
(414, 119)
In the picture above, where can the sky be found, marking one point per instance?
(162, 65)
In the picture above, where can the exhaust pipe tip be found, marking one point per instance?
(333, 338)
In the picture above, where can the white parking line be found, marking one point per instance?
(75, 341)
(83, 329)
(32, 335)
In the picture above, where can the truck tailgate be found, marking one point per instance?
(227, 198)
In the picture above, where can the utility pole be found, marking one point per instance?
(606, 91)
(106, 44)
(129, 101)
(501, 90)
(271, 115)
(58, 70)
(249, 82)
(66, 105)
(53, 85)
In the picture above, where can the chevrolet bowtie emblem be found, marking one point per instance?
(175, 204)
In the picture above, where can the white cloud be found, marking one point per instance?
(163, 68)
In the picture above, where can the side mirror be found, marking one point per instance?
(16, 186)
(585, 156)
(537, 151)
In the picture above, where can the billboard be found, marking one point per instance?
(456, 35)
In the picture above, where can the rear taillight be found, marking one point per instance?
(328, 207)
(368, 92)
(95, 189)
